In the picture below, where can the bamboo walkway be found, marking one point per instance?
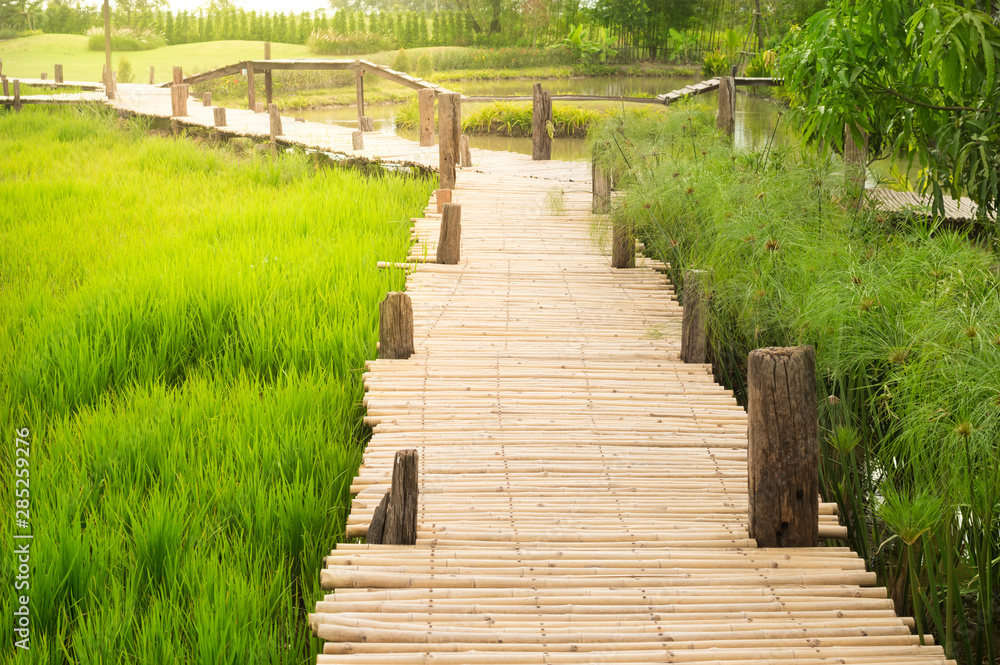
(583, 494)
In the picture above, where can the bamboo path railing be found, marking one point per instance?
(582, 493)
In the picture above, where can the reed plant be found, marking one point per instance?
(184, 332)
(125, 39)
(905, 318)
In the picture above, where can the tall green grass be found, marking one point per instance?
(184, 332)
(905, 319)
(125, 39)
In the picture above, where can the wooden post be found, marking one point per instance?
(622, 245)
(725, 121)
(178, 75)
(267, 50)
(376, 530)
(694, 342)
(6, 88)
(447, 139)
(466, 151)
(272, 110)
(601, 186)
(59, 73)
(220, 116)
(45, 76)
(109, 87)
(425, 99)
(251, 93)
(541, 114)
(783, 447)
(855, 160)
(152, 80)
(17, 94)
(401, 511)
(175, 126)
(366, 123)
(442, 196)
(178, 100)
(268, 86)
(258, 107)
(206, 99)
(357, 140)
(395, 326)
(456, 128)
(359, 84)
(450, 237)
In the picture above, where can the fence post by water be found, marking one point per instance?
(783, 447)
(220, 116)
(275, 117)
(178, 75)
(6, 86)
(441, 196)
(59, 73)
(694, 343)
(622, 244)
(448, 122)
(359, 85)
(725, 121)
(206, 99)
(465, 151)
(357, 140)
(450, 236)
(395, 326)
(395, 519)
(425, 99)
(541, 119)
(600, 186)
(178, 100)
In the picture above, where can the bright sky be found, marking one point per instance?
(273, 6)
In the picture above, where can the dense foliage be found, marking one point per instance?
(906, 325)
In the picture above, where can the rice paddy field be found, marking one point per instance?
(183, 331)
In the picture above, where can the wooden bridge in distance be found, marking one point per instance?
(583, 493)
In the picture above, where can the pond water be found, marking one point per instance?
(755, 116)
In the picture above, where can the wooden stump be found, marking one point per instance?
(601, 186)
(694, 342)
(395, 329)
(366, 123)
(175, 126)
(357, 140)
(442, 196)
(151, 79)
(17, 94)
(206, 99)
(275, 117)
(725, 121)
(541, 114)
(59, 73)
(251, 92)
(447, 138)
(622, 245)
(783, 450)
(376, 530)
(855, 160)
(178, 75)
(267, 50)
(268, 87)
(178, 100)
(45, 76)
(6, 86)
(450, 237)
(426, 104)
(220, 116)
(401, 512)
(466, 152)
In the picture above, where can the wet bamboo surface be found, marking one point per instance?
(583, 493)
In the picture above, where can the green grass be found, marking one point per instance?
(905, 319)
(184, 332)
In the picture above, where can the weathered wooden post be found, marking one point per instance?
(178, 75)
(357, 140)
(6, 87)
(178, 100)
(466, 151)
(268, 86)
(275, 117)
(45, 76)
(206, 99)
(220, 116)
(450, 236)
(447, 138)
(395, 519)
(456, 128)
(109, 85)
(600, 185)
(725, 121)
(17, 94)
(622, 244)
(59, 73)
(694, 341)
(783, 447)
(441, 196)
(359, 85)
(267, 50)
(395, 326)
(251, 93)
(425, 101)
(258, 107)
(152, 80)
(541, 119)
(855, 159)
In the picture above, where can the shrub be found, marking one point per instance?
(425, 67)
(125, 39)
(762, 65)
(125, 74)
(715, 64)
(502, 58)
(330, 42)
(402, 61)
(7, 33)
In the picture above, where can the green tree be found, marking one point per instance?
(919, 76)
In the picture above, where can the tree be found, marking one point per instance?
(129, 9)
(919, 76)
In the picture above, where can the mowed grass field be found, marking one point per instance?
(183, 332)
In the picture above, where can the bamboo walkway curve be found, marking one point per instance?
(583, 493)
